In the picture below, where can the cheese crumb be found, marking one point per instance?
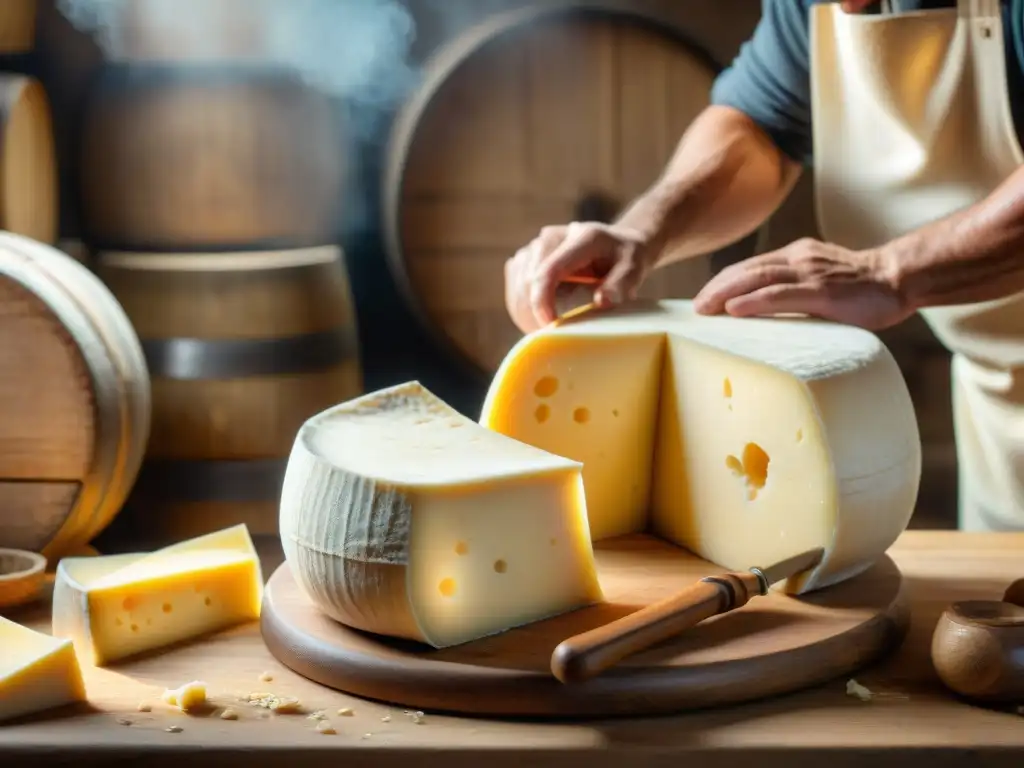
(318, 715)
(325, 728)
(386, 719)
(229, 714)
(855, 689)
(123, 721)
(347, 712)
(367, 735)
(174, 729)
(280, 704)
(266, 677)
(144, 707)
(417, 718)
(188, 697)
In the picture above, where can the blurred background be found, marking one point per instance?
(295, 201)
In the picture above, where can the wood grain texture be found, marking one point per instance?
(534, 117)
(74, 400)
(242, 349)
(776, 645)
(915, 719)
(209, 158)
(28, 159)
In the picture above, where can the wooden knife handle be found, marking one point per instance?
(590, 653)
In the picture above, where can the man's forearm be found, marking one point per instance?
(723, 182)
(973, 255)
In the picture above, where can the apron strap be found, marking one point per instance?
(978, 9)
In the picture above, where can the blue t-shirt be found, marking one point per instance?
(770, 78)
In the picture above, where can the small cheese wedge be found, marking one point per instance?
(118, 606)
(402, 517)
(744, 440)
(37, 672)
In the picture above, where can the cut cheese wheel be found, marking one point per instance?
(118, 606)
(744, 440)
(400, 516)
(37, 672)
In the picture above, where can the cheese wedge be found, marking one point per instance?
(37, 672)
(402, 517)
(117, 606)
(743, 440)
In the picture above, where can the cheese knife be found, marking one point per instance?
(588, 654)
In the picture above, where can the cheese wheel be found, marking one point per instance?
(402, 517)
(74, 401)
(743, 440)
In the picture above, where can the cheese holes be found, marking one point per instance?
(500, 566)
(542, 414)
(581, 415)
(135, 627)
(546, 386)
(207, 602)
(447, 587)
(727, 388)
(799, 435)
(615, 412)
(554, 542)
(167, 607)
(752, 466)
(461, 548)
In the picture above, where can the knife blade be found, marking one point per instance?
(588, 654)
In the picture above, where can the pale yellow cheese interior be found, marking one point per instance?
(37, 672)
(118, 606)
(743, 440)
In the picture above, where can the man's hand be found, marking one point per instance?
(813, 278)
(613, 259)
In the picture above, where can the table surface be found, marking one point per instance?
(913, 717)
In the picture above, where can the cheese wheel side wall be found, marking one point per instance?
(242, 348)
(476, 338)
(118, 377)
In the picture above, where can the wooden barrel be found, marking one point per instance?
(211, 158)
(17, 26)
(242, 348)
(74, 401)
(540, 116)
(190, 30)
(28, 166)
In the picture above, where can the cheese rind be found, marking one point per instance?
(400, 516)
(117, 606)
(37, 672)
(771, 435)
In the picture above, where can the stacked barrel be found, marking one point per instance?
(74, 392)
(209, 192)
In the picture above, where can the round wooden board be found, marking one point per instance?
(775, 644)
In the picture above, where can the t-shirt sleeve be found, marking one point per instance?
(769, 79)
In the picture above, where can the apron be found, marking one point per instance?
(911, 122)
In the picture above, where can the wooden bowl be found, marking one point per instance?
(22, 575)
(978, 647)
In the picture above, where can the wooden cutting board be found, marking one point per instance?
(775, 644)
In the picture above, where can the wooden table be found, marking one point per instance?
(916, 719)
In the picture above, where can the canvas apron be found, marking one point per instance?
(911, 122)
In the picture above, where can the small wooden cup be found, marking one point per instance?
(22, 575)
(978, 648)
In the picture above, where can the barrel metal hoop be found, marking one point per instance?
(197, 359)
